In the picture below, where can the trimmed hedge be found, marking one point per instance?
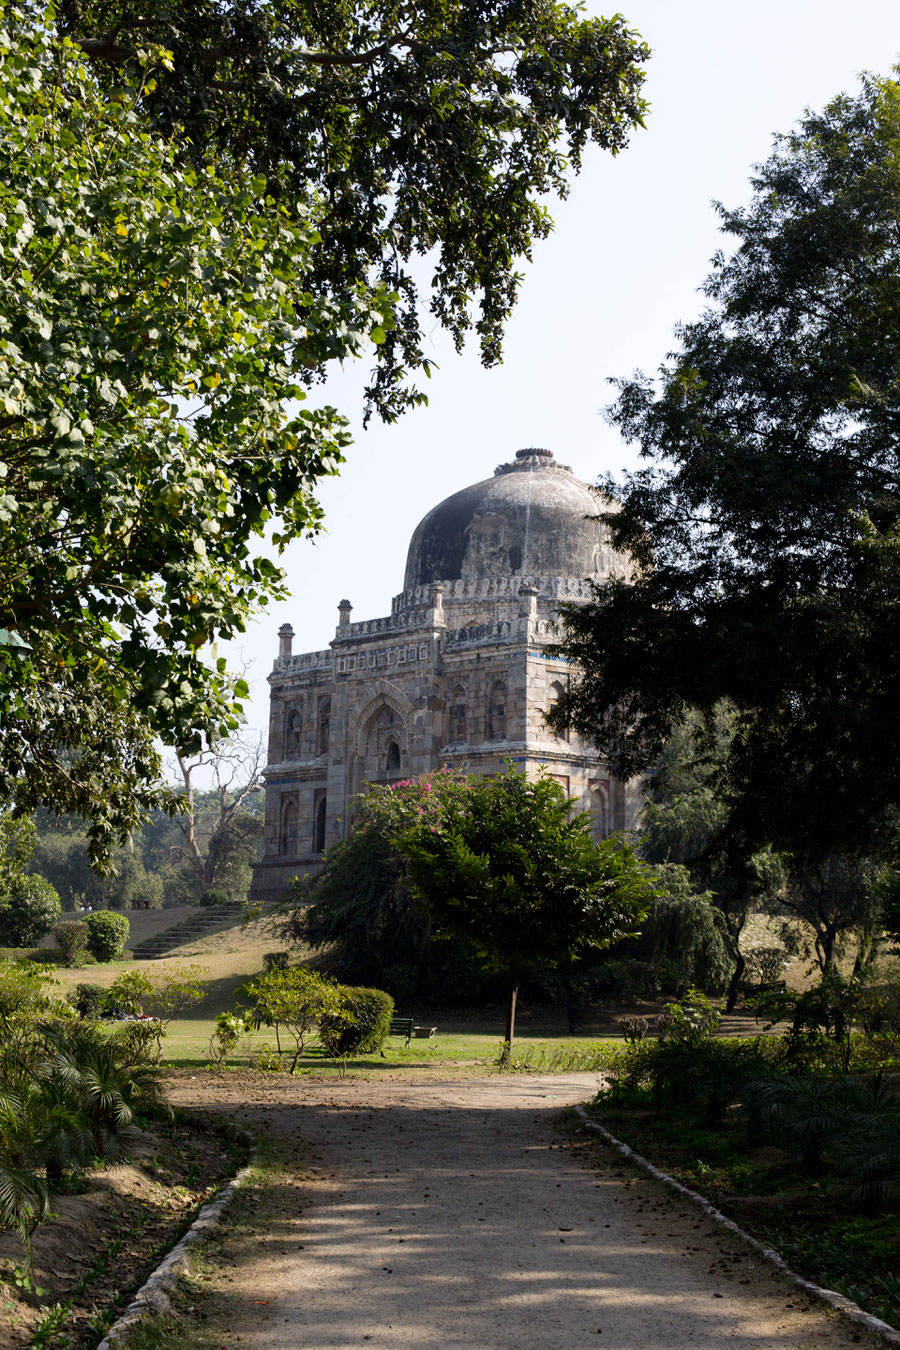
(45, 956)
(215, 896)
(364, 1025)
(107, 933)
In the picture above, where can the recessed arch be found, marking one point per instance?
(289, 832)
(459, 714)
(496, 711)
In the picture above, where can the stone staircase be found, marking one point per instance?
(204, 920)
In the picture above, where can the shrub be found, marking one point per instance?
(230, 1029)
(363, 1024)
(276, 960)
(128, 992)
(297, 999)
(89, 1000)
(625, 980)
(634, 1029)
(23, 989)
(71, 936)
(107, 934)
(27, 911)
(214, 896)
(171, 992)
(692, 1021)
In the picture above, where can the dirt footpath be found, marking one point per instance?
(472, 1214)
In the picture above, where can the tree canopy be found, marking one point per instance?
(201, 208)
(511, 869)
(155, 321)
(431, 129)
(28, 904)
(765, 525)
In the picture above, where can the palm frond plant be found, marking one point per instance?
(803, 1109)
(24, 1198)
(867, 1146)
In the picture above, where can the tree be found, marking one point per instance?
(220, 841)
(512, 870)
(29, 905)
(156, 327)
(61, 855)
(435, 131)
(297, 998)
(364, 906)
(764, 531)
(837, 897)
(172, 992)
(687, 930)
(682, 828)
(185, 251)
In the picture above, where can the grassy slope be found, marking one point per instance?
(230, 957)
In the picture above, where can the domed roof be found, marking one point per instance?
(529, 520)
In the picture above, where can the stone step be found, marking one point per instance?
(198, 925)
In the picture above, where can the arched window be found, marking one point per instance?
(323, 726)
(496, 713)
(319, 822)
(601, 825)
(293, 730)
(289, 828)
(458, 719)
(557, 690)
(393, 758)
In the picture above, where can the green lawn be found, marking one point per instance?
(188, 1041)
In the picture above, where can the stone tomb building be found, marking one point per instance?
(455, 677)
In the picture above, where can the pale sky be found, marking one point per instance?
(600, 299)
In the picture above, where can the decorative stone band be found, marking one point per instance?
(153, 1298)
(487, 588)
(885, 1333)
(304, 661)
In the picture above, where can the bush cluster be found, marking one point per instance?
(792, 1091)
(69, 1093)
(362, 1025)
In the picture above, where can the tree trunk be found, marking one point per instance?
(570, 1006)
(740, 964)
(511, 1009)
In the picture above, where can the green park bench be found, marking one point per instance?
(402, 1026)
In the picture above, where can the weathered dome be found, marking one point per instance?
(532, 519)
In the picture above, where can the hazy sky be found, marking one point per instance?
(600, 298)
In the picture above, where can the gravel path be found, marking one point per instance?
(471, 1214)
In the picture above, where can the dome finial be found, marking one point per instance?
(534, 452)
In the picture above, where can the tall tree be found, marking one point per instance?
(201, 207)
(766, 528)
(682, 827)
(155, 324)
(218, 835)
(433, 129)
(516, 873)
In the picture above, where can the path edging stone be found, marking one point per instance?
(885, 1333)
(153, 1297)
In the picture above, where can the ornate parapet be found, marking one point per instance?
(303, 662)
(464, 590)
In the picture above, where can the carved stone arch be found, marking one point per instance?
(601, 808)
(293, 727)
(557, 691)
(496, 710)
(289, 825)
(380, 736)
(383, 692)
(458, 714)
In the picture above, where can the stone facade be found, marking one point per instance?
(455, 677)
